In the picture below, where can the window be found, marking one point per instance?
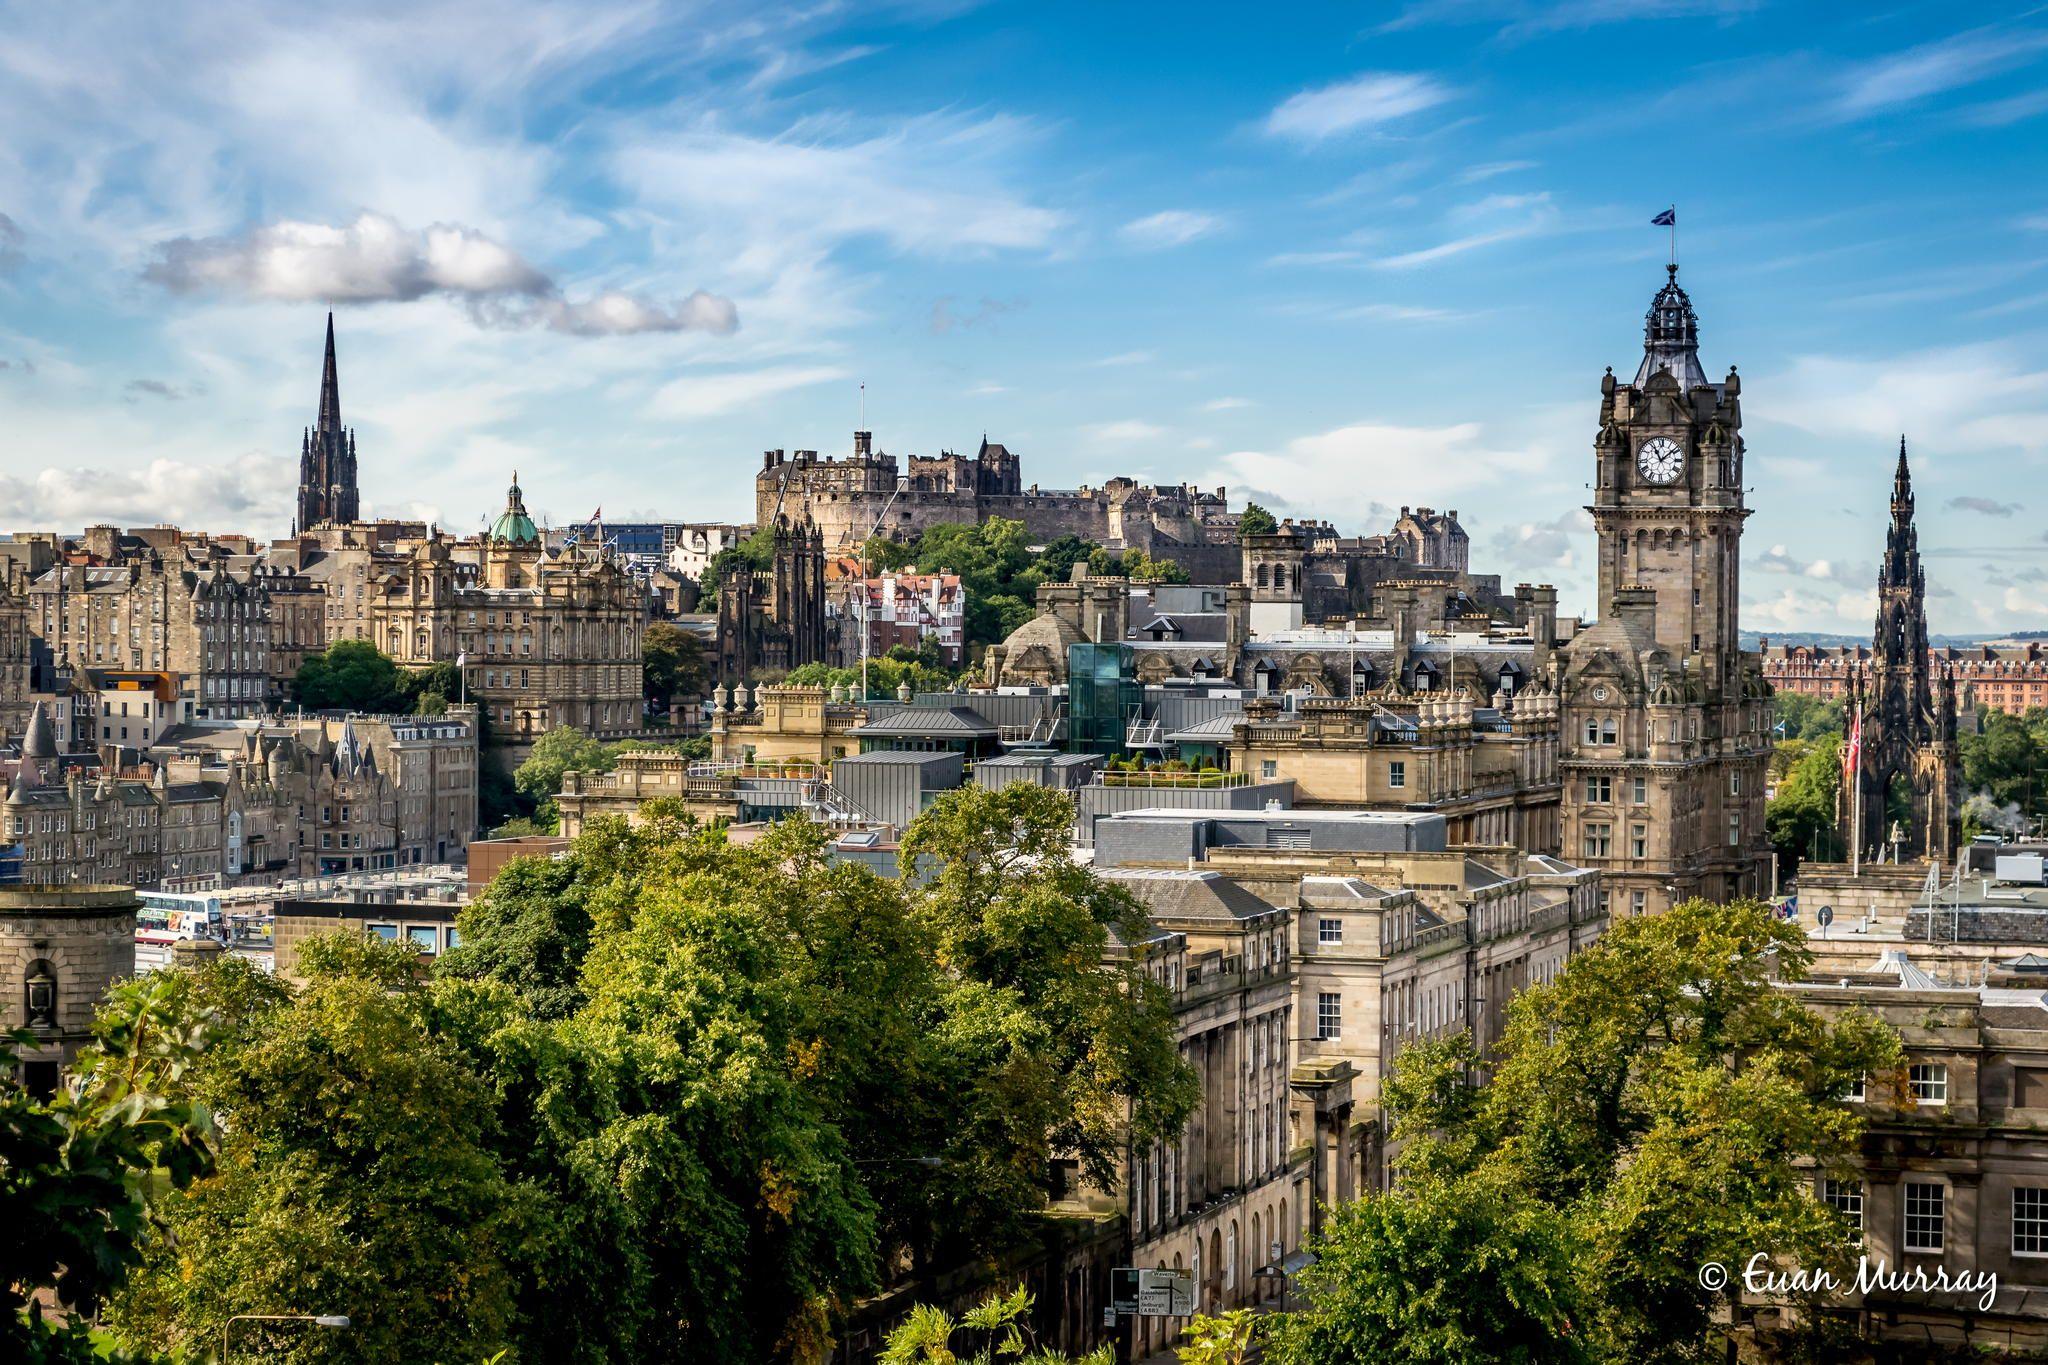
(1268, 768)
(1928, 1083)
(387, 932)
(1735, 828)
(1855, 1092)
(1639, 902)
(1592, 730)
(425, 937)
(1846, 1198)
(1397, 773)
(1598, 839)
(1329, 1016)
(1638, 841)
(2029, 1220)
(1607, 731)
(1599, 790)
(1330, 931)
(1735, 782)
(1641, 794)
(1926, 1216)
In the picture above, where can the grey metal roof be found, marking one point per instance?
(904, 758)
(1040, 758)
(924, 722)
(1215, 728)
(1174, 894)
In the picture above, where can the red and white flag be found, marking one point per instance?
(1852, 752)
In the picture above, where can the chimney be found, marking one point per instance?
(1637, 604)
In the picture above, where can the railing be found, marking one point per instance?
(1144, 734)
(1152, 778)
(828, 805)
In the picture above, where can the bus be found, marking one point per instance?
(166, 917)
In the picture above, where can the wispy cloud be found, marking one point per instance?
(1169, 228)
(1906, 78)
(710, 395)
(1497, 218)
(1125, 431)
(1226, 404)
(1366, 101)
(1472, 175)
(1123, 358)
(1526, 17)
(11, 255)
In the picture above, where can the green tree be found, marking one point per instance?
(1801, 816)
(429, 691)
(1662, 1104)
(2006, 758)
(1225, 1339)
(352, 675)
(999, 1326)
(1256, 521)
(83, 1175)
(674, 660)
(354, 1142)
(1806, 717)
(539, 778)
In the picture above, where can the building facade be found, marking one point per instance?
(774, 619)
(545, 638)
(1999, 677)
(1666, 719)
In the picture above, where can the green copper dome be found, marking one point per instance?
(513, 526)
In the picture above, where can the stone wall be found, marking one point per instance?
(87, 936)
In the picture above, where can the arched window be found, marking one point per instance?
(1262, 576)
(1230, 1258)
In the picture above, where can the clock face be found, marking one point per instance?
(1660, 459)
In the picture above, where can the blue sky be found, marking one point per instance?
(1341, 258)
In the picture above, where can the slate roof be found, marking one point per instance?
(1198, 895)
(928, 722)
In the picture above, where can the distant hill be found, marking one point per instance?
(1751, 638)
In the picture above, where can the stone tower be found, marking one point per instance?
(1666, 719)
(61, 947)
(327, 457)
(1909, 715)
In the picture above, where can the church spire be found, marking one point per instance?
(330, 385)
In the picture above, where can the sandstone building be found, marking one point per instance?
(1666, 719)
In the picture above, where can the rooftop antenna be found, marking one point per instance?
(863, 407)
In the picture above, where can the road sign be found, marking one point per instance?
(1151, 1293)
(1825, 915)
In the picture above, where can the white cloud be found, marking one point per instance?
(1327, 474)
(1971, 399)
(230, 495)
(374, 259)
(1118, 361)
(1169, 228)
(1128, 430)
(709, 395)
(1369, 100)
(1918, 73)
(371, 259)
(1563, 542)
(1496, 218)
(1226, 404)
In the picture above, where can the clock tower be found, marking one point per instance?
(1666, 719)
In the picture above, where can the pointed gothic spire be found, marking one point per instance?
(1902, 487)
(330, 385)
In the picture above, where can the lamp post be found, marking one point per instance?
(331, 1320)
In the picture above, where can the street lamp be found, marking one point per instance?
(332, 1320)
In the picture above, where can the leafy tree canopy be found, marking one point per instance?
(674, 660)
(1256, 521)
(1661, 1104)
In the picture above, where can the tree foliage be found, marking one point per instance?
(997, 1328)
(1806, 717)
(674, 663)
(354, 675)
(2007, 758)
(1662, 1104)
(1256, 521)
(83, 1175)
(1801, 816)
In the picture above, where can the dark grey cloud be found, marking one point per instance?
(155, 388)
(1990, 507)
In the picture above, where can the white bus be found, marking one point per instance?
(166, 917)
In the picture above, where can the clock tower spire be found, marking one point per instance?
(1666, 720)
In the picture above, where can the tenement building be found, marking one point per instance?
(2011, 677)
(1666, 719)
(1907, 713)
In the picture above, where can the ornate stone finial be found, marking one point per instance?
(903, 691)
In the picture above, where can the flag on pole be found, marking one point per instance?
(1668, 218)
(1852, 752)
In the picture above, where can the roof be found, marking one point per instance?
(905, 758)
(1198, 895)
(928, 722)
(1040, 758)
(1221, 727)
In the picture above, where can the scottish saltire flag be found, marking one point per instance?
(1668, 218)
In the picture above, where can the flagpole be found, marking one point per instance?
(1674, 234)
